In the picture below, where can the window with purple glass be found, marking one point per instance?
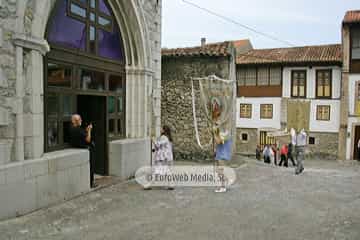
(86, 58)
(89, 28)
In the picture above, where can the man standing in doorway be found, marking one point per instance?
(81, 138)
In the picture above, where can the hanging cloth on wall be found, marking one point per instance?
(218, 100)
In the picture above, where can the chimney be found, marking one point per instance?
(203, 42)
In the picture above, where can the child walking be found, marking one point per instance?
(163, 157)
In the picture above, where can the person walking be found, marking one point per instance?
(268, 154)
(283, 155)
(275, 154)
(223, 147)
(300, 151)
(258, 152)
(290, 154)
(163, 154)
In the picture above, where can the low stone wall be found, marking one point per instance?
(33, 184)
(246, 147)
(128, 155)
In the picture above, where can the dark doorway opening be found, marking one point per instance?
(92, 109)
(356, 140)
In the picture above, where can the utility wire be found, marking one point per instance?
(240, 24)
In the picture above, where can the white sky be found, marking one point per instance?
(301, 22)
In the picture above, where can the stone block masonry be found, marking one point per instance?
(176, 106)
(246, 145)
(34, 184)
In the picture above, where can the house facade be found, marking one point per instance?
(280, 89)
(98, 58)
(350, 112)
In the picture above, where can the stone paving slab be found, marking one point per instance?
(267, 202)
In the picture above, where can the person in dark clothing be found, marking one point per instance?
(258, 152)
(290, 154)
(275, 150)
(81, 138)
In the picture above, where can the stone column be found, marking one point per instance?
(129, 103)
(18, 106)
(344, 99)
(34, 114)
(34, 104)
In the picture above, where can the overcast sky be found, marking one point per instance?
(301, 22)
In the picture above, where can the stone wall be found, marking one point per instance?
(325, 147)
(135, 151)
(34, 184)
(8, 11)
(246, 147)
(176, 101)
(22, 47)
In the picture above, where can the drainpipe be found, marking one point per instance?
(19, 87)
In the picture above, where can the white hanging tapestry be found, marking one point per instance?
(218, 100)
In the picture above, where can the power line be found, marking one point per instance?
(240, 24)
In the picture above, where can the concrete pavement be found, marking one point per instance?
(267, 202)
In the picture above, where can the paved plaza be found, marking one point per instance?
(267, 202)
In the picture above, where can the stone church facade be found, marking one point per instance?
(116, 65)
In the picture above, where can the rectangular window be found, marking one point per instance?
(244, 137)
(298, 84)
(59, 108)
(58, 75)
(263, 76)
(241, 76)
(116, 108)
(357, 99)
(355, 43)
(266, 111)
(245, 110)
(92, 80)
(311, 141)
(323, 113)
(275, 76)
(250, 79)
(75, 9)
(323, 83)
(116, 83)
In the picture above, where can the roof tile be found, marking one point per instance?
(212, 49)
(352, 17)
(307, 54)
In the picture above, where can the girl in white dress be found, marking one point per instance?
(163, 155)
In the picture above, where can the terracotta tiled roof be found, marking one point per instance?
(297, 55)
(352, 17)
(211, 49)
(241, 43)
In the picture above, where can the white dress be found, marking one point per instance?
(163, 156)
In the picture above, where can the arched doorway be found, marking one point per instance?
(85, 74)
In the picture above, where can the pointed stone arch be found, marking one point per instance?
(33, 16)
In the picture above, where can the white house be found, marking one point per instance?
(285, 88)
(350, 112)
